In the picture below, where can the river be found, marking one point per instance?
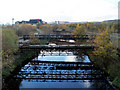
(33, 73)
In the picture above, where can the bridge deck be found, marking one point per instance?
(57, 47)
(66, 37)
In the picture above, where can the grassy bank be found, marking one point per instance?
(108, 65)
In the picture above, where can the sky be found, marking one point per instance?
(58, 10)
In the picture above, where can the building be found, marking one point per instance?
(61, 22)
(31, 21)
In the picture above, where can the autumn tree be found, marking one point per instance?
(72, 26)
(80, 30)
(25, 29)
(103, 44)
(63, 26)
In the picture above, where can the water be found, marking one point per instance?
(81, 84)
(35, 77)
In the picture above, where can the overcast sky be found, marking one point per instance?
(58, 10)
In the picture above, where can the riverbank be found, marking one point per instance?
(21, 58)
(110, 66)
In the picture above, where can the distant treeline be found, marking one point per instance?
(90, 27)
(95, 27)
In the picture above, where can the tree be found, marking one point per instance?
(25, 29)
(9, 43)
(72, 26)
(38, 25)
(80, 30)
(46, 29)
(34, 39)
(103, 44)
(9, 40)
(62, 26)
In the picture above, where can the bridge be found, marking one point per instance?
(53, 71)
(54, 37)
(59, 71)
(59, 45)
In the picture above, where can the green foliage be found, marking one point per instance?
(116, 81)
(61, 26)
(104, 45)
(109, 65)
(46, 29)
(9, 40)
(38, 25)
(95, 27)
(80, 30)
(89, 27)
(72, 26)
(9, 47)
(106, 53)
(34, 39)
(25, 29)
(19, 60)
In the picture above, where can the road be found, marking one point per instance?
(41, 32)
